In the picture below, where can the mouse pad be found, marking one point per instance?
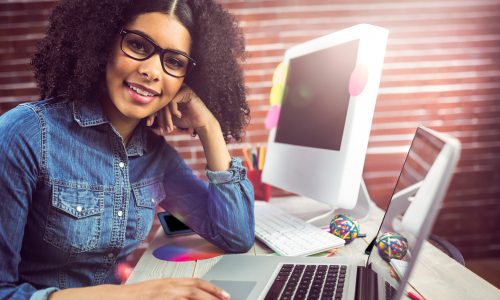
(187, 248)
(239, 290)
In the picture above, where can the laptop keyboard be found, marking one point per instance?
(299, 281)
(390, 292)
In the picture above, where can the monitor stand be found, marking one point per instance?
(361, 211)
(363, 206)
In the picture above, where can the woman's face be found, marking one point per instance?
(136, 88)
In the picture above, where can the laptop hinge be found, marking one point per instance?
(366, 284)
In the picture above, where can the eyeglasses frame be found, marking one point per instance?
(157, 49)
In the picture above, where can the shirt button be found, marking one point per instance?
(79, 208)
(110, 255)
(120, 213)
(121, 164)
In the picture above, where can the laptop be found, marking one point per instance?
(381, 272)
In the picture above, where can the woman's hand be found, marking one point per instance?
(181, 288)
(164, 289)
(186, 110)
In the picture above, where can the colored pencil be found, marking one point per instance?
(262, 155)
(247, 159)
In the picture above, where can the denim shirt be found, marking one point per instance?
(75, 201)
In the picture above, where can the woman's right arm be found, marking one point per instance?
(20, 141)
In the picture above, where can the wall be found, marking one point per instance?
(441, 70)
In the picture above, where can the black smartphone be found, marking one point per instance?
(171, 225)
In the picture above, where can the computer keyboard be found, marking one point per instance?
(390, 291)
(288, 235)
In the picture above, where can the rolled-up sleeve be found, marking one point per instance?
(43, 294)
(221, 211)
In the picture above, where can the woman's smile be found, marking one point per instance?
(141, 94)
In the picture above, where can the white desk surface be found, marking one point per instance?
(436, 276)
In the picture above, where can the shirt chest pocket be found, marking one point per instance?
(74, 218)
(146, 199)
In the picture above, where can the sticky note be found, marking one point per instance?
(276, 94)
(279, 75)
(359, 78)
(273, 116)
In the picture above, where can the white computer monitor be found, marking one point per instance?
(318, 148)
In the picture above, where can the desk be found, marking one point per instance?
(436, 275)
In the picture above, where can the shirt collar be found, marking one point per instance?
(91, 113)
(138, 142)
(88, 113)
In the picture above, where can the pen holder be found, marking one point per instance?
(262, 191)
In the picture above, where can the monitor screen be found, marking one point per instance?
(314, 105)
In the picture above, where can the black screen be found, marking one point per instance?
(174, 224)
(316, 97)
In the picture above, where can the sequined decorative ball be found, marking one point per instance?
(392, 245)
(345, 227)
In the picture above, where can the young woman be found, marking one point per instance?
(84, 169)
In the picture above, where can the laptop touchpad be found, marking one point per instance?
(239, 290)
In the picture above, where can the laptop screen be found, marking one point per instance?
(408, 209)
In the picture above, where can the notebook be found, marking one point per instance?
(383, 270)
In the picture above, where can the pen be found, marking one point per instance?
(247, 159)
(414, 296)
(255, 161)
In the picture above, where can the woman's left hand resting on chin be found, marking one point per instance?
(187, 110)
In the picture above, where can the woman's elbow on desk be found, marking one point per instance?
(243, 241)
(241, 247)
(236, 244)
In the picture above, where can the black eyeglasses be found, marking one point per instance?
(140, 47)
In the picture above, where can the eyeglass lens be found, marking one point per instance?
(140, 48)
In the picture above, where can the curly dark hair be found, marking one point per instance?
(70, 61)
